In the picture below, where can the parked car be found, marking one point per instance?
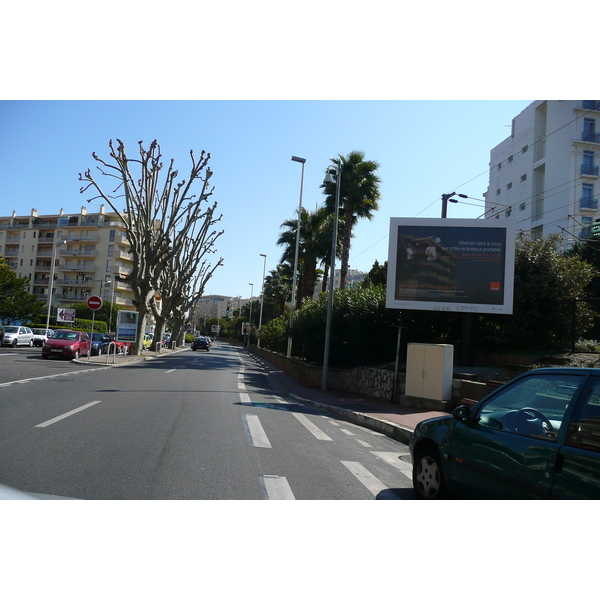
(1, 334)
(121, 346)
(68, 343)
(201, 343)
(41, 335)
(17, 335)
(148, 337)
(537, 436)
(100, 342)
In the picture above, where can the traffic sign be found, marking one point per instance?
(94, 302)
(65, 314)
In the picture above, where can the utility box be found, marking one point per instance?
(429, 371)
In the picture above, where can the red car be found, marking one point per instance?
(121, 346)
(66, 342)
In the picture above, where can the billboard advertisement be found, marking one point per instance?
(127, 324)
(457, 265)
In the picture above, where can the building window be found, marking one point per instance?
(111, 235)
(523, 177)
(499, 166)
(510, 158)
(508, 212)
(587, 191)
(509, 185)
(524, 149)
(111, 250)
(498, 192)
(522, 206)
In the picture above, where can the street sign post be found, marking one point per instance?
(94, 302)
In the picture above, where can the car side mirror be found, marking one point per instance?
(461, 413)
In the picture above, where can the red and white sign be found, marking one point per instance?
(94, 302)
(65, 314)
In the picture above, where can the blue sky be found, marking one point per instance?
(424, 149)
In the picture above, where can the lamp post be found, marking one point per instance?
(295, 275)
(112, 299)
(329, 179)
(51, 283)
(262, 297)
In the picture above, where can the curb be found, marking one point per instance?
(393, 430)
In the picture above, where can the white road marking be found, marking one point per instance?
(245, 398)
(331, 422)
(66, 374)
(170, 371)
(257, 433)
(347, 432)
(278, 488)
(363, 443)
(318, 433)
(376, 487)
(392, 458)
(68, 414)
(241, 385)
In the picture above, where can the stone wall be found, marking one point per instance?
(378, 383)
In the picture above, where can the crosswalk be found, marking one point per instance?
(277, 486)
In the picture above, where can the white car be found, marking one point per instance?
(17, 335)
(40, 336)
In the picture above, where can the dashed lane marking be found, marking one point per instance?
(278, 488)
(68, 414)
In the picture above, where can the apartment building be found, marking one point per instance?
(545, 175)
(89, 250)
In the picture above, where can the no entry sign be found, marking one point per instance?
(94, 302)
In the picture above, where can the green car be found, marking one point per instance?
(536, 437)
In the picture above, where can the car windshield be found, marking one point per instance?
(11, 329)
(98, 336)
(65, 335)
(39, 331)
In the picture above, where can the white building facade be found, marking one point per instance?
(545, 175)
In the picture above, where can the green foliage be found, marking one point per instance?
(275, 333)
(547, 283)
(16, 303)
(363, 331)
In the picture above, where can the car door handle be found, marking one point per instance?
(558, 463)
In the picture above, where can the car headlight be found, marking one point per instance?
(70, 347)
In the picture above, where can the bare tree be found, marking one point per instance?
(157, 218)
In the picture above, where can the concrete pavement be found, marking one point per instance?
(391, 419)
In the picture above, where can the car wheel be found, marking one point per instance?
(194, 349)
(14, 343)
(428, 477)
(76, 355)
(31, 343)
(45, 355)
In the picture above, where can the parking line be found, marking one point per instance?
(258, 436)
(68, 414)
(318, 433)
(376, 487)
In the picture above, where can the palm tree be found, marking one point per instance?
(314, 238)
(278, 285)
(359, 194)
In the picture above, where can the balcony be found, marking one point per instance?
(591, 136)
(590, 170)
(588, 204)
(591, 104)
(80, 253)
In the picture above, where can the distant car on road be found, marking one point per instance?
(17, 335)
(201, 343)
(41, 335)
(67, 343)
(537, 436)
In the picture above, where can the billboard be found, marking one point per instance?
(457, 265)
(127, 323)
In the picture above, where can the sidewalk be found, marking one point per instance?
(378, 414)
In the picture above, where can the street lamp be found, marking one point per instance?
(337, 181)
(51, 282)
(302, 161)
(262, 297)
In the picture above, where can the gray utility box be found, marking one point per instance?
(429, 371)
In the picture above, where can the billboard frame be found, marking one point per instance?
(470, 255)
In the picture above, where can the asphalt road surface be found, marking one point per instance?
(190, 425)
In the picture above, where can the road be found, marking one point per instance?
(189, 425)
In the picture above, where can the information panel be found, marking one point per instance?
(458, 265)
(127, 324)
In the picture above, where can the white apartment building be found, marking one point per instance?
(88, 249)
(545, 175)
